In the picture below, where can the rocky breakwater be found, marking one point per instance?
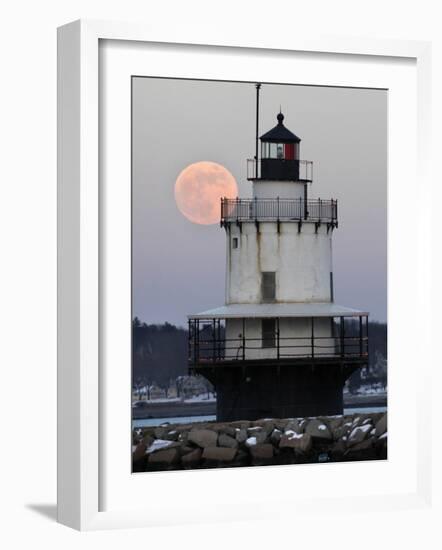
(260, 442)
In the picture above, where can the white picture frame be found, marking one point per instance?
(81, 396)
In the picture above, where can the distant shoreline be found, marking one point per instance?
(206, 408)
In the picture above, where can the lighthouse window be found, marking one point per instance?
(276, 150)
(235, 242)
(268, 333)
(268, 286)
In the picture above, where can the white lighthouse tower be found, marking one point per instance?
(279, 346)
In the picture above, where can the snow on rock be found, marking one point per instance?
(318, 430)
(358, 434)
(294, 425)
(250, 441)
(159, 444)
(241, 435)
(299, 442)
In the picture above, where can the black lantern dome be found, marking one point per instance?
(280, 133)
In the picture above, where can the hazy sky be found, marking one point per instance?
(178, 266)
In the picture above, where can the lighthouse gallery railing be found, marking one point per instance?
(208, 344)
(243, 210)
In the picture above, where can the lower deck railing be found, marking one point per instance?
(208, 344)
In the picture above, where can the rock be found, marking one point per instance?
(139, 458)
(139, 451)
(219, 454)
(376, 417)
(343, 429)
(148, 440)
(334, 425)
(203, 438)
(241, 435)
(294, 426)
(280, 424)
(242, 458)
(358, 434)
(275, 436)
(241, 424)
(251, 441)
(338, 449)
(218, 427)
(192, 459)
(318, 430)
(381, 445)
(264, 451)
(161, 432)
(299, 442)
(265, 441)
(302, 423)
(160, 445)
(229, 430)
(258, 432)
(225, 440)
(266, 426)
(173, 435)
(381, 425)
(364, 450)
(165, 457)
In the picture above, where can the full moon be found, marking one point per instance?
(199, 189)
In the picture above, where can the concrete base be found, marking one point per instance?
(278, 392)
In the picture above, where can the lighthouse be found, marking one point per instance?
(279, 346)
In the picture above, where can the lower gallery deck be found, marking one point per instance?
(281, 339)
(278, 366)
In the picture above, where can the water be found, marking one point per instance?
(147, 422)
(365, 410)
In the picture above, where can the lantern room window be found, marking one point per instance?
(283, 151)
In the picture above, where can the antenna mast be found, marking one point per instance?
(258, 86)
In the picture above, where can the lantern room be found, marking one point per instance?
(280, 153)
